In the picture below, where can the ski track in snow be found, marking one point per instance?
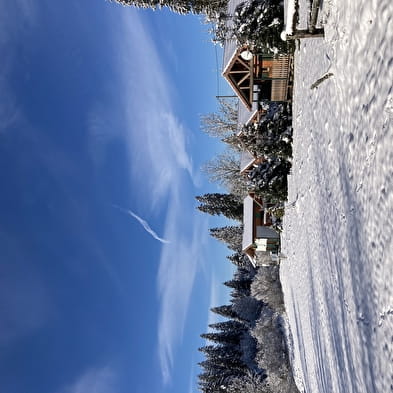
(338, 274)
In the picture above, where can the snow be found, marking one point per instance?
(304, 9)
(289, 15)
(337, 276)
(274, 22)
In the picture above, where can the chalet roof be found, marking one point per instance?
(230, 45)
(230, 49)
(244, 115)
(246, 160)
(248, 214)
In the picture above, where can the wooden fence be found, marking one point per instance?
(280, 76)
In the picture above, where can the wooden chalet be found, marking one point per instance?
(258, 235)
(255, 76)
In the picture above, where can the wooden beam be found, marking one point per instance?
(306, 34)
(238, 72)
(314, 15)
(251, 81)
(241, 61)
(244, 78)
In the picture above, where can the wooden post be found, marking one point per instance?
(306, 34)
(314, 15)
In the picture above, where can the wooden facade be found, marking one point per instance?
(255, 77)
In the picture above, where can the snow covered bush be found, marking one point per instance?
(266, 287)
(272, 353)
(271, 139)
(249, 383)
(272, 136)
(269, 179)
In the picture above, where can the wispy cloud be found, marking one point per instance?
(16, 19)
(191, 381)
(179, 264)
(160, 163)
(155, 137)
(159, 141)
(143, 222)
(99, 380)
(24, 301)
(219, 295)
(214, 301)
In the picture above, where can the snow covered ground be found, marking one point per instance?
(338, 229)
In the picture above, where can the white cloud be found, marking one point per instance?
(155, 137)
(214, 301)
(99, 380)
(191, 382)
(219, 295)
(179, 264)
(144, 224)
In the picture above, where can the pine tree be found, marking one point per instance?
(226, 356)
(231, 235)
(180, 6)
(259, 23)
(230, 325)
(222, 338)
(227, 363)
(222, 351)
(239, 259)
(228, 205)
(240, 285)
(247, 308)
(215, 380)
(227, 312)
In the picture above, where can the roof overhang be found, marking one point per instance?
(246, 161)
(243, 87)
(248, 223)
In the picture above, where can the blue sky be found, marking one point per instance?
(106, 268)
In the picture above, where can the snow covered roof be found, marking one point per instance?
(265, 232)
(231, 54)
(230, 49)
(246, 160)
(230, 45)
(248, 214)
(244, 116)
